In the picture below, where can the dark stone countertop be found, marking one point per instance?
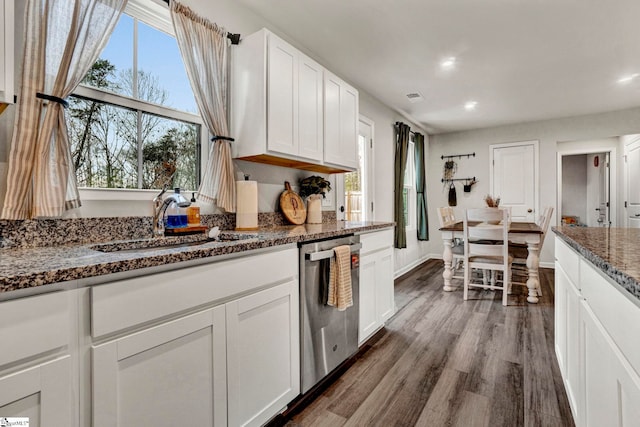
(614, 251)
(23, 268)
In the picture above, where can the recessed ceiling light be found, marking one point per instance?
(448, 64)
(470, 105)
(627, 79)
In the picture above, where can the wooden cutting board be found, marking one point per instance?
(292, 206)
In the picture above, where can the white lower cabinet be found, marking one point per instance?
(231, 359)
(567, 315)
(611, 385)
(596, 344)
(263, 354)
(37, 362)
(166, 375)
(41, 393)
(377, 303)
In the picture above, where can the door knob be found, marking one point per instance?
(529, 210)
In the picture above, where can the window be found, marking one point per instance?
(409, 191)
(358, 194)
(133, 121)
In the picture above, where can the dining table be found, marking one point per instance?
(528, 233)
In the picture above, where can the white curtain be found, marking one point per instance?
(63, 39)
(204, 48)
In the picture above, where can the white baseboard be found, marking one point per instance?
(427, 257)
(413, 265)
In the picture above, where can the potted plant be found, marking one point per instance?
(312, 188)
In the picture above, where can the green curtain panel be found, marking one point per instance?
(402, 145)
(421, 199)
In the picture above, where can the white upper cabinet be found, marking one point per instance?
(340, 122)
(6, 51)
(278, 107)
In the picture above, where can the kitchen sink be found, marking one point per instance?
(147, 245)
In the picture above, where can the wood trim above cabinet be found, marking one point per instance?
(289, 163)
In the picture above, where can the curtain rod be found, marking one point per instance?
(410, 131)
(235, 38)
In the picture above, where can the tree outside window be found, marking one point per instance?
(125, 126)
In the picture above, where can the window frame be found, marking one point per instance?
(158, 17)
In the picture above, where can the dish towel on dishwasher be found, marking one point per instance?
(340, 295)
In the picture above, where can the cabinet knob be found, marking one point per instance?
(529, 210)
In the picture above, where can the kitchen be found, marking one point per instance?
(549, 131)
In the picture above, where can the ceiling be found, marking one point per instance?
(520, 60)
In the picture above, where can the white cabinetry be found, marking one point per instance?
(596, 343)
(377, 302)
(340, 122)
(163, 375)
(7, 59)
(262, 351)
(215, 344)
(36, 363)
(276, 100)
(567, 324)
(278, 108)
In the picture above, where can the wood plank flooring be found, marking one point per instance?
(442, 361)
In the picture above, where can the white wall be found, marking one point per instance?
(547, 132)
(384, 154)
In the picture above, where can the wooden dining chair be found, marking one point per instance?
(447, 217)
(520, 252)
(481, 225)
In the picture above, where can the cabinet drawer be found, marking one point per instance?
(127, 303)
(568, 260)
(618, 315)
(376, 240)
(34, 325)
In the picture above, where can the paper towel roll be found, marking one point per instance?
(247, 205)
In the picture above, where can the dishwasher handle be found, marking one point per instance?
(317, 256)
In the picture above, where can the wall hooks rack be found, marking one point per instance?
(458, 156)
(459, 179)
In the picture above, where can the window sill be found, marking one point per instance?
(119, 194)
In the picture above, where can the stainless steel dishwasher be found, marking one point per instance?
(327, 336)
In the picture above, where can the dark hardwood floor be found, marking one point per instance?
(442, 361)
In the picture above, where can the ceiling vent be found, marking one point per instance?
(415, 97)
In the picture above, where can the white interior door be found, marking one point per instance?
(514, 172)
(632, 177)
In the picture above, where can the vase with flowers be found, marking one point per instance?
(492, 202)
(314, 189)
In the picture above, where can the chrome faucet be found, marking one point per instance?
(160, 207)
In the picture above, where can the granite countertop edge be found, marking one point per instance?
(41, 266)
(617, 274)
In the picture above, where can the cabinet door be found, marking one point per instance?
(349, 126)
(41, 393)
(164, 375)
(341, 122)
(332, 86)
(282, 96)
(560, 316)
(310, 116)
(263, 354)
(369, 320)
(385, 300)
(612, 387)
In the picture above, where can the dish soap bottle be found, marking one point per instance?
(182, 212)
(172, 216)
(193, 212)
